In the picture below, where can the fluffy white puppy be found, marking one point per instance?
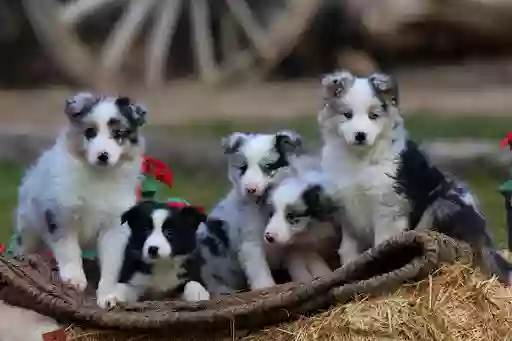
(72, 199)
(363, 136)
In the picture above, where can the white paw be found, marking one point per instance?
(110, 301)
(262, 284)
(194, 292)
(73, 275)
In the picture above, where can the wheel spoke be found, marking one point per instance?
(160, 40)
(203, 40)
(123, 33)
(72, 13)
(253, 30)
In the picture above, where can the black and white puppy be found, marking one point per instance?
(440, 203)
(160, 254)
(302, 225)
(231, 241)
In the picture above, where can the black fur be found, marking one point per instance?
(284, 145)
(319, 205)
(425, 186)
(180, 231)
(217, 240)
(217, 228)
(134, 114)
(51, 222)
(418, 181)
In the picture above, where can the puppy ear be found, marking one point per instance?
(336, 83)
(319, 204)
(192, 216)
(129, 214)
(80, 105)
(385, 87)
(288, 142)
(134, 113)
(233, 142)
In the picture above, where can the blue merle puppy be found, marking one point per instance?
(445, 205)
(160, 254)
(231, 241)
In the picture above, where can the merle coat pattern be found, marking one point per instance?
(231, 241)
(443, 204)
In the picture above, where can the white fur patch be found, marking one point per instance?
(194, 292)
(157, 238)
(103, 142)
(258, 151)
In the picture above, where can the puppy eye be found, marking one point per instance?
(90, 133)
(118, 135)
(292, 218)
(269, 168)
(373, 116)
(348, 114)
(242, 168)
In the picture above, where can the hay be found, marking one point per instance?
(456, 303)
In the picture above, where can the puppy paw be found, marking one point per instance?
(110, 301)
(74, 276)
(194, 292)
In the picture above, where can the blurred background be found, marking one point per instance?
(206, 68)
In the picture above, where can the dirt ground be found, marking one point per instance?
(443, 90)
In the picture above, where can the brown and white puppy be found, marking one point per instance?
(73, 198)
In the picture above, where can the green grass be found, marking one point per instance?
(420, 126)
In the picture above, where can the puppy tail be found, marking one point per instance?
(496, 264)
(491, 261)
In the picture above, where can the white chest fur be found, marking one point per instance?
(361, 186)
(165, 276)
(96, 199)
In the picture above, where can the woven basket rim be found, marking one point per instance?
(31, 282)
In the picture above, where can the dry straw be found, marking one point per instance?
(455, 303)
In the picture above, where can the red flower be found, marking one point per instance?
(181, 205)
(507, 141)
(158, 169)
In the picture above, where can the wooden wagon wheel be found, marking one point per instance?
(270, 35)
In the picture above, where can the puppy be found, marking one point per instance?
(73, 197)
(363, 135)
(231, 241)
(440, 203)
(160, 254)
(302, 225)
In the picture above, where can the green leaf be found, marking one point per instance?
(506, 187)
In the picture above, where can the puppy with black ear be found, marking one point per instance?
(160, 254)
(72, 198)
(303, 225)
(231, 241)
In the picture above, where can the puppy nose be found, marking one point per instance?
(269, 238)
(103, 158)
(251, 190)
(153, 252)
(360, 137)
